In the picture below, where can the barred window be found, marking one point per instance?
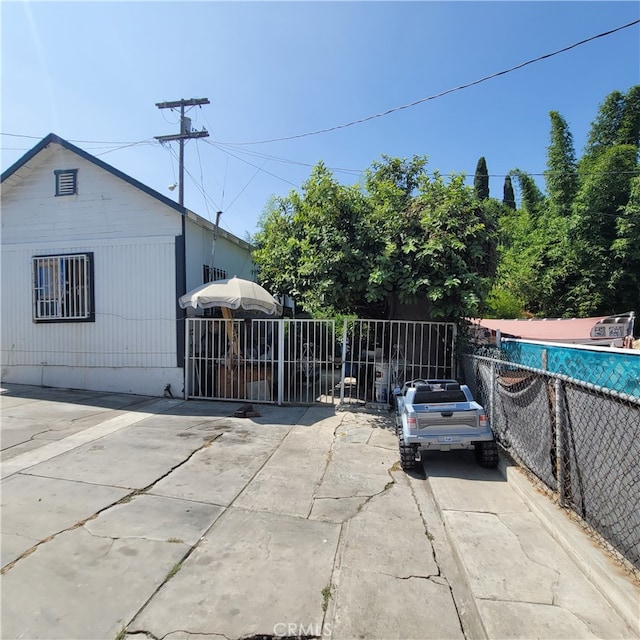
(211, 274)
(63, 288)
(66, 182)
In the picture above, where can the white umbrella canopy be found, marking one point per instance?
(232, 293)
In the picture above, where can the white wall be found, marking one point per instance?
(233, 257)
(131, 346)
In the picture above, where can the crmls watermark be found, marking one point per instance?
(298, 630)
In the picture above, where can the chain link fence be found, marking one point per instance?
(577, 439)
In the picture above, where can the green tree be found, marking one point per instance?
(629, 131)
(617, 122)
(561, 177)
(315, 245)
(532, 197)
(573, 253)
(403, 240)
(481, 180)
(626, 253)
(508, 195)
(605, 188)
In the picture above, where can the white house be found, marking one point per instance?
(93, 264)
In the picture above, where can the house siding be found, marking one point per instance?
(229, 255)
(105, 206)
(131, 347)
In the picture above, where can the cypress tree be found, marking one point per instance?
(481, 180)
(508, 197)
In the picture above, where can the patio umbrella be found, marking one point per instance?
(232, 293)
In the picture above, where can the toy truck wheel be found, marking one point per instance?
(487, 454)
(407, 453)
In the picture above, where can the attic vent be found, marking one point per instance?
(66, 182)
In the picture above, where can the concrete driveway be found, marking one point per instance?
(139, 517)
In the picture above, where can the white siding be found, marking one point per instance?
(105, 207)
(234, 259)
(135, 318)
(131, 347)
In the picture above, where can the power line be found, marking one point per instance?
(443, 93)
(246, 185)
(108, 142)
(253, 165)
(257, 154)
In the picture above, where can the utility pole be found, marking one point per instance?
(186, 133)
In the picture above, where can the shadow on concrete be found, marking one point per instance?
(457, 464)
(268, 413)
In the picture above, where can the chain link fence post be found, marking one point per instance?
(492, 392)
(560, 440)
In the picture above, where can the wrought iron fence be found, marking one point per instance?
(577, 439)
(311, 361)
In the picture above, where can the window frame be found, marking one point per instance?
(207, 271)
(55, 288)
(62, 173)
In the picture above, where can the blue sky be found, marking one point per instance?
(92, 72)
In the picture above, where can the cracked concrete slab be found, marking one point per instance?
(316, 415)
(78, 586)
(374, 534)
(336, 509)
(388, 536)
(509, 558)
(156, 518)
(571, 591)
(497, 567)
(217, 474)
(131, 457)
(384, 438)
(387, 557)
(269, 414)
(287, 487)
(529, 620)
(113, 422)
(381, 607)
(35, 508)
(178, 635)
(19, 430)
(253, 571)
(356, 471)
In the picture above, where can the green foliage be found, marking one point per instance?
(532, 197)
(502, 303)
(617, 122)
(481, 180)
(626, 252)
(401, 239)
(508, 196)
(561, 177)
(573, 253)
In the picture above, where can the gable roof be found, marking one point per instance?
(52, 138)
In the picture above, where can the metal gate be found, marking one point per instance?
(308, 362)
(380, 355)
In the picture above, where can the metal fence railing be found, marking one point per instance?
(577, 439)
(298, 361)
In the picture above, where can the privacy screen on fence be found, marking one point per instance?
(578, 440)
